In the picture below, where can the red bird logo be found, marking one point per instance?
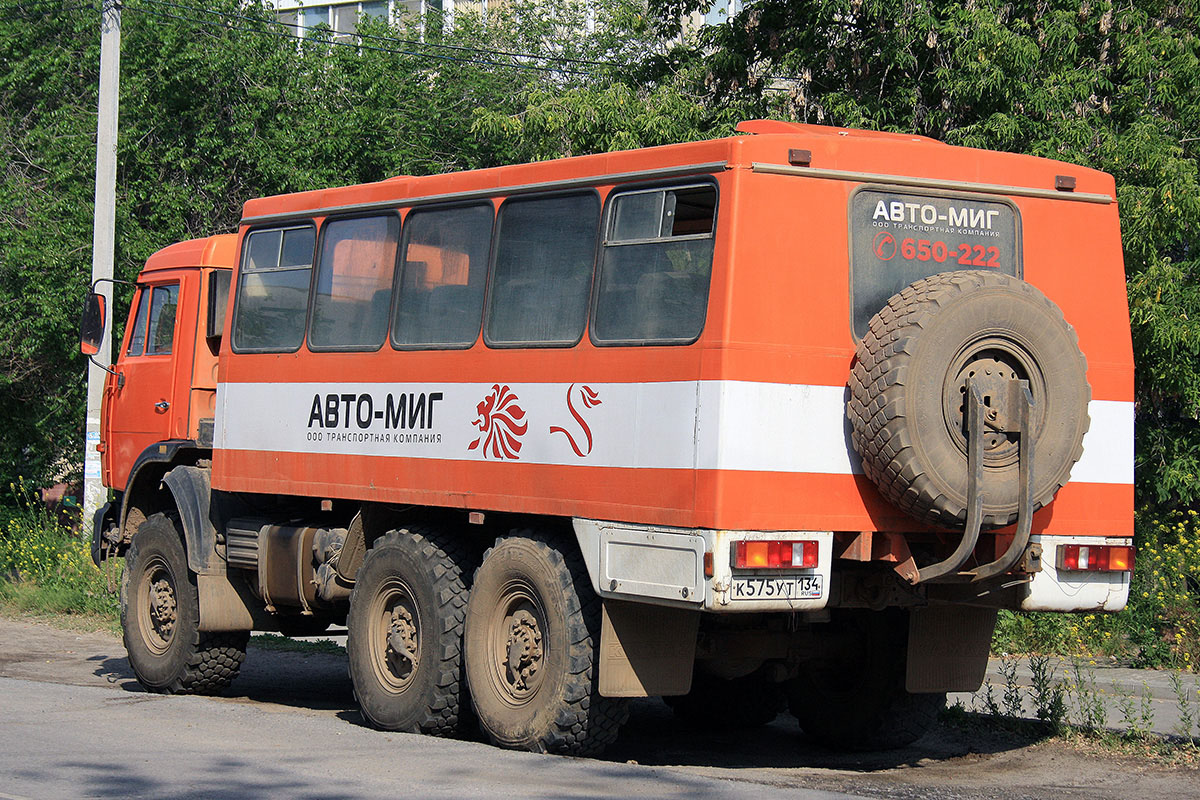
(591, 399)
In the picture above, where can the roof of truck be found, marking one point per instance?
(835, 151)
(211, 251)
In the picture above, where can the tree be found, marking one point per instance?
(224, 106)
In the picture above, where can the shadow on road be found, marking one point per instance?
(652, 737)
(297, 680)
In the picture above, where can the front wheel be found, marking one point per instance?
(532, 639)
(160, 618)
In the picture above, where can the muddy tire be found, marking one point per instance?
(747, 702)
(857, 701)
(532, 639)
(907, 392)
(160, 618)
(405, 626)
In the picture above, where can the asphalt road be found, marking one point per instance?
(74, 723)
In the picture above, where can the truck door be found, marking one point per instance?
(142, 407)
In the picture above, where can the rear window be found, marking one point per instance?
(899, 237)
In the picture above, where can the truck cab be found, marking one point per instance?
(160, 395)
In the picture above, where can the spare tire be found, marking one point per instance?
(908, 390)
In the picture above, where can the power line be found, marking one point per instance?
(390, 39)
(226, 26)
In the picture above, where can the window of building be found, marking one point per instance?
(345, 18)
(317, 15)
(442, 278)
(354, 283)
(378, 10)
(272, 300)
(290, 20)
(656, 266)
(545, 251)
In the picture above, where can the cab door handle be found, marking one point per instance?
(161, 406)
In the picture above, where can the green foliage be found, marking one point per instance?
(1160, 627)
(224, 106)
(45, 567)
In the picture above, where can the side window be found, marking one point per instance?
(137, 338)
(442, 277)
(163, 303)
(542, 278)
(354, 283)
(655, 266)
(272, 298)
(218, 300)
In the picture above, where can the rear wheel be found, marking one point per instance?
(533, 631)
(404, 638)
(746, 702)
(160, 618)
(857, 700)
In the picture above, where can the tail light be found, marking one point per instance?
(775, 555)
(1095, 557)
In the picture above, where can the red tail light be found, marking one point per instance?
(775, 555)
(1095, 557)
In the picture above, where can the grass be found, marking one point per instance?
(1070, 707)
(273, 641)
(46, 570)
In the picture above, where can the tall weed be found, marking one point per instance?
(45, 567)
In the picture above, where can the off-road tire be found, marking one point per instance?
(858, 702)
(747, 702)
(532, 588)
(174, 657)
(910, 370)
(414, 582)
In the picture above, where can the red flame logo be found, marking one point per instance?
(500, 424)
(591, 399)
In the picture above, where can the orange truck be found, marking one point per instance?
(776, 420)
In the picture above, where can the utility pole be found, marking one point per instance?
(103, 242)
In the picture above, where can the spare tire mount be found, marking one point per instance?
(1011, 413)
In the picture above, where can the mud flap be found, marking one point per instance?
(227, 604)
(948, 648)
(646, 650)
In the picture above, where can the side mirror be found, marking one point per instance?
(91, 324)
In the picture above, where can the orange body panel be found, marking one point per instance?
(778, 316)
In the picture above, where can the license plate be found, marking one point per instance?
(801, 587)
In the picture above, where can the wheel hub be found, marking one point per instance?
(524, 651)
(995, 377)
(402, 642)
(163, 608)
